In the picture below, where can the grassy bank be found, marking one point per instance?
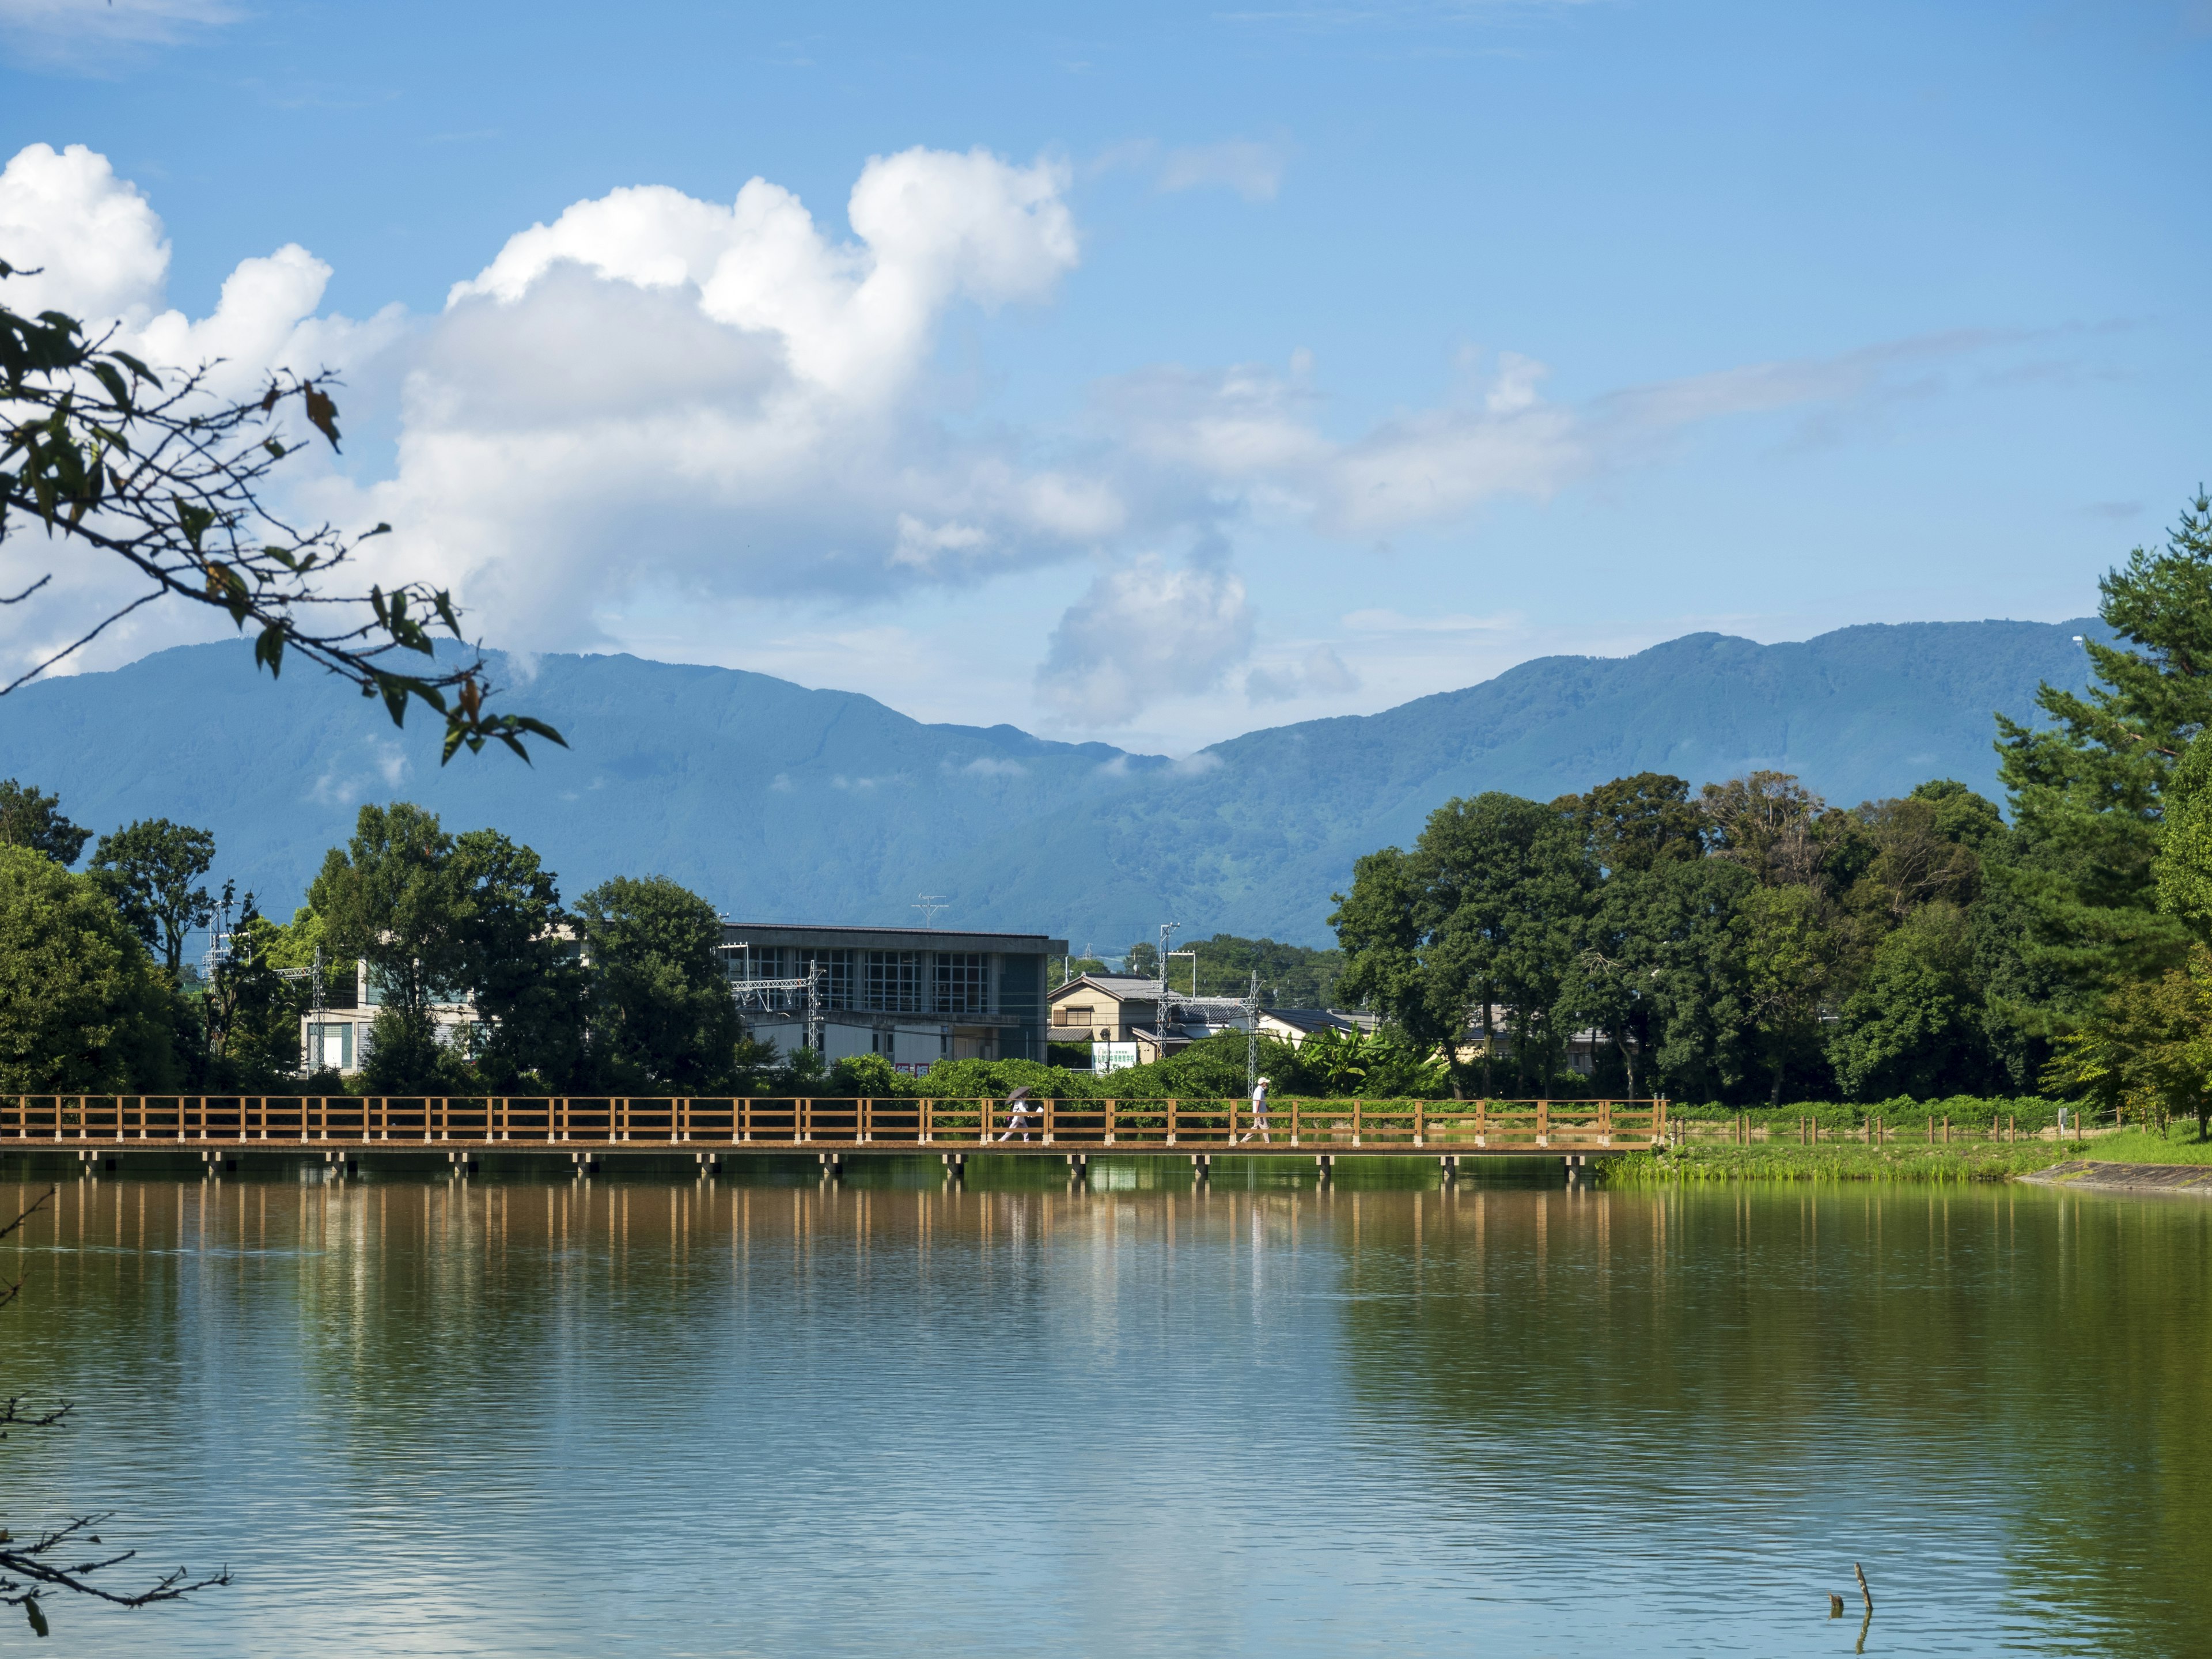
(2178, 1145)
(1846, 1160)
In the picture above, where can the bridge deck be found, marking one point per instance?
(614, 1126)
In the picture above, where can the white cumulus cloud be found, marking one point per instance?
(1319, 672)
(658, 399)
(1145, 630)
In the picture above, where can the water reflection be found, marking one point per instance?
(748, 1417)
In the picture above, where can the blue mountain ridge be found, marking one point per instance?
(781, 803)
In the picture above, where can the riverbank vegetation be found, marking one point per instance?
(1911, 1160)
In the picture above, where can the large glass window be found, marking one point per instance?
(964, 983)
(894, 981)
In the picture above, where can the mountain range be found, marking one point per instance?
(779, 803)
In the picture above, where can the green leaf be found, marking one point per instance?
(274, 448)
(323, 414)
(117, 388)
(38, 1618)
(137, 368)
(270, 648)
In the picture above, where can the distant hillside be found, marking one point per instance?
(779, 802)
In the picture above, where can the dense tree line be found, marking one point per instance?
(1290, 975)
(1751, 941)
(622, 992)
(1744, 941)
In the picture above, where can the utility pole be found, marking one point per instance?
(1252, 1035)
(930, 905)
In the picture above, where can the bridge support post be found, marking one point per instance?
(1079, 1167)
(1325, 1167)
(956, 1167)
(832, 1165)
(1201, 1166)
(1449, 1166)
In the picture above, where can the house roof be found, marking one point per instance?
(1310, 1020)
(837, 936)
(1121, 987)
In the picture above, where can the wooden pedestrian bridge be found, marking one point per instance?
(589, 1130)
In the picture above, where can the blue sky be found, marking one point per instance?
(1185, 371)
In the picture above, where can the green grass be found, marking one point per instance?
(1787, 1161)
(1905, 1159)
(2178, 1145)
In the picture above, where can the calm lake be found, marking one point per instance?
(740, 1417)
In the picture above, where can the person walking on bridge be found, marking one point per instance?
(1021, 1112)
(1258, 1115)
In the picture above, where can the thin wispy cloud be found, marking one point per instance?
(90, 36)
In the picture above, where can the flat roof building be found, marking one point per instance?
(915, 995)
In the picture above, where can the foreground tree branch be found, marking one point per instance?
(65, 1557)
(107, 461)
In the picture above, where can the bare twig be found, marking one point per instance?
(30, 1567)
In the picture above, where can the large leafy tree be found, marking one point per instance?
(393, 896)
(1790, 953)
(30, 817)
(1380, 926)
(441, 918)
(2086, 786)
(106, 461)
(1913, 1025)
(82, 1009)
(519, 959)
(1769, 823)
(1480, 917)
(152, 869)
(661, 1013)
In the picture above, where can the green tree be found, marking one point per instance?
(2087, 787)
(30, 817)
(661, 1012)
(1914, 1026)
(152, 870)
(1788, 954)
(1505, 884)
(252, 1011)
(82, 1009)
(1290, 975)
(1767, 821)
(2147, 1050)
(1381, 925)
(1482, 915)
(518, 960)
(393, 898)
(1639, 823)
(1659, 971)
(1923, 853)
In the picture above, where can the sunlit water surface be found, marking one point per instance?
(731, 1418)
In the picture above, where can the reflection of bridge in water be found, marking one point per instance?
(591, 1129)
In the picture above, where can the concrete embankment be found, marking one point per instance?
(2082, 1173)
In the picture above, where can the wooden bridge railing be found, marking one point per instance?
(767, 1122)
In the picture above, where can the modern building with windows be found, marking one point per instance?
(915, 995)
